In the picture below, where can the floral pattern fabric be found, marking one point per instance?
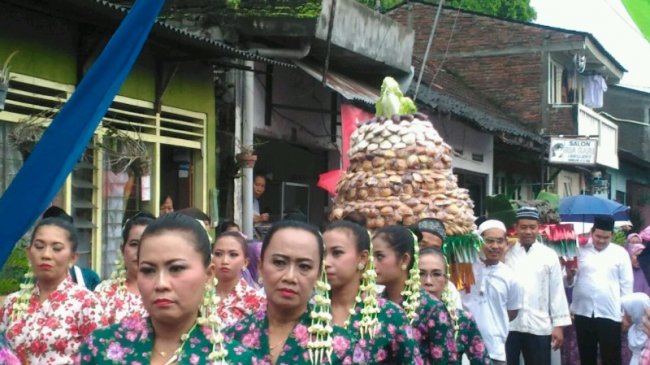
(130, 342)
(433, 332)
(392, 343)
(118, 302)
(469, 340)
(242, 301)
(51, 332)
(253, 333)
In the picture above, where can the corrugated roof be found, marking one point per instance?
(162, 28)
(344, 85)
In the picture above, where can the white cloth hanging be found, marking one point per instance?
(594, 87)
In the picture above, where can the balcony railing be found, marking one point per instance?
(591, 123)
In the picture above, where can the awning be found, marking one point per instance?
(344, 85)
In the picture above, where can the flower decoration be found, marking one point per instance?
(119, 275)
(320, 330)
(411, 292)
(24, 296)
(451, 308)
(368, 294)
(449, 302)
(208, 317)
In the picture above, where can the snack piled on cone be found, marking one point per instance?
(400, 172)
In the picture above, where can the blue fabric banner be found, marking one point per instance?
(64, 141)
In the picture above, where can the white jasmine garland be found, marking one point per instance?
(208, 317)
(24, 295)
(320, 330)
(411, 292)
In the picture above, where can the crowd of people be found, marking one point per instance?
(343, 296)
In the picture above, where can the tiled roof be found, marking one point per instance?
(450, 94)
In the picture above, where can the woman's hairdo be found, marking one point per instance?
(178, 222)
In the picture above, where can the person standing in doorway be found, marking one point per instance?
(603, 277)
(538, 325)
(259, 187)
(166, 205)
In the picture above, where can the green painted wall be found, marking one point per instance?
(47, 49)
(46, 46)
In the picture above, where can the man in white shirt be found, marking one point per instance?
(496, 297)
(603, 276)
(538, 326)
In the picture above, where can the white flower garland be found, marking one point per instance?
(119, 275)
(208, 317)
(449, 302)
(368, 290)
(320, 330)
(451, 308)
(24, 296)
(411, 291)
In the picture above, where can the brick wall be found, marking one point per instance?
(513, 82)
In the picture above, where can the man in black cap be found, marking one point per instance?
(603, 276)
(538, 325)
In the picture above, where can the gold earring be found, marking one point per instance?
(404, 267)
(360, 266)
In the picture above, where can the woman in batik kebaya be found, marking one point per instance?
(376, 329)
(120, 295)
(291, 331)
(46, 322)
(237, 298)
(434, 276)
(175, 280)
(396, 262)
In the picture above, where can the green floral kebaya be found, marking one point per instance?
(131, 342)
(469, 340)
(253, 333)
(433, 332)
(392, 342)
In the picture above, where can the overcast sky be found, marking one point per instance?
(610, 23)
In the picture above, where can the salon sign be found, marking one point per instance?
(578, 151)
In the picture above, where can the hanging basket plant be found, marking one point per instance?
(28, 131)
(125, 153)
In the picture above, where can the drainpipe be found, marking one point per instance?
(248, 122)
(248, 126)
(290, 54)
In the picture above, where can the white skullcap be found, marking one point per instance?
(489, 224)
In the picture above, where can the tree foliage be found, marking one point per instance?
(509, 9)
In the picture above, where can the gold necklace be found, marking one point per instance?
(163, 354)
(272, 347)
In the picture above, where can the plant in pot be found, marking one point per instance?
(246, 157)
(5, 77)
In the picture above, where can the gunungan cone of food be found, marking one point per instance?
(400, 171)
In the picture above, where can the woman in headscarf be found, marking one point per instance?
(634, 306)
(634, 247)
